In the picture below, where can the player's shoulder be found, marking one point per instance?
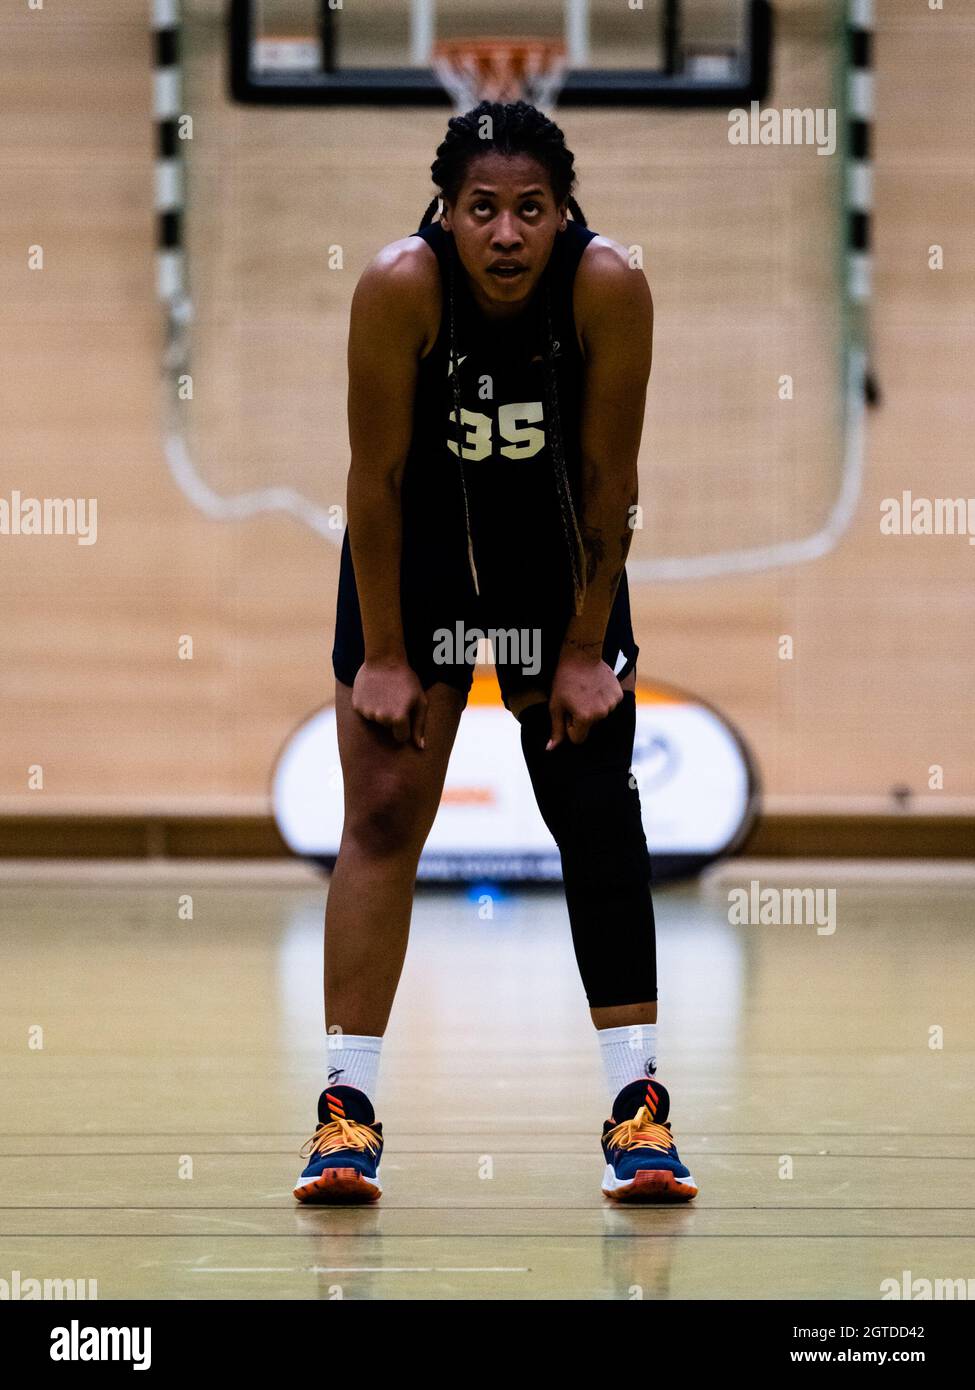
(607, 264)
(610, 284)
(401, 284)
(403, 267)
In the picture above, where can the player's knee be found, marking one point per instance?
(547, 770)
(385, 823)
(603, 843)
(590, 801)
(586, 792)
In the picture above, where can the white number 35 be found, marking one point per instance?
(515, 424)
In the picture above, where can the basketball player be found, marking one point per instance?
(498, 364)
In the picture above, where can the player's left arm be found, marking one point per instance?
(614, 314)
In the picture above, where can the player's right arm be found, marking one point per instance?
(392, 324)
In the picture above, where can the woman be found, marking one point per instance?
(498, 363)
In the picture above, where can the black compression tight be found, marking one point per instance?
(591, 805)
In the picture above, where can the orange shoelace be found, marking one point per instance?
(341, 1134)
(641, 1133)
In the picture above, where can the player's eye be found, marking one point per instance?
(531, 206)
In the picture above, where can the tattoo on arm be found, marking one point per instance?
(594, 546)
(591, 648)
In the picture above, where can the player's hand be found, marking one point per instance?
(389, 693)
(584, 691)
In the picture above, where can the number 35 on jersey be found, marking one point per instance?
(517, 426)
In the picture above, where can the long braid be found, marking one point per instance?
(454, 363)
(516, 128)
(577, 213)
(573, 536)
(430, 213)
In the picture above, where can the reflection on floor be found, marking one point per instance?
(163, 1055)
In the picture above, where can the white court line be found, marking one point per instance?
(783, 553)
(420, 1269)
(364, 1269)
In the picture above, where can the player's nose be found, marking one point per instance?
(507, 235)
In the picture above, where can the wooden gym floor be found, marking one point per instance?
(151, 1142)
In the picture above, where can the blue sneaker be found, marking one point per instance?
(642, 1163)
(344, 1152)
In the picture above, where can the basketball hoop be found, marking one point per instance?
(504, 70)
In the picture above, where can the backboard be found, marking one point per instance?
(619, 52)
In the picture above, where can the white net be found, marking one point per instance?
(474, 70)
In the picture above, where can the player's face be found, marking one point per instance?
(504, 224)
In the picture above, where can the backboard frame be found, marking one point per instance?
(419, 86)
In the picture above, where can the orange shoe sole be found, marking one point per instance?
(338, 1186)
(654, 1185)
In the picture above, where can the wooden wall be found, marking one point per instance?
(92, 688)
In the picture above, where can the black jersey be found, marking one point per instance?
(519, 530)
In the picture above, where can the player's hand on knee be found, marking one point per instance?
(419, 711)
(584, 691)
(390, 694)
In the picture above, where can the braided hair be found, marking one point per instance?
(516, 128)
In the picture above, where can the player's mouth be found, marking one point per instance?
(507, 270)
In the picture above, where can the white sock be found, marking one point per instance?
(629, 1054)
(352, 1059)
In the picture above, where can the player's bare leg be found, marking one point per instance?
(392, 792)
